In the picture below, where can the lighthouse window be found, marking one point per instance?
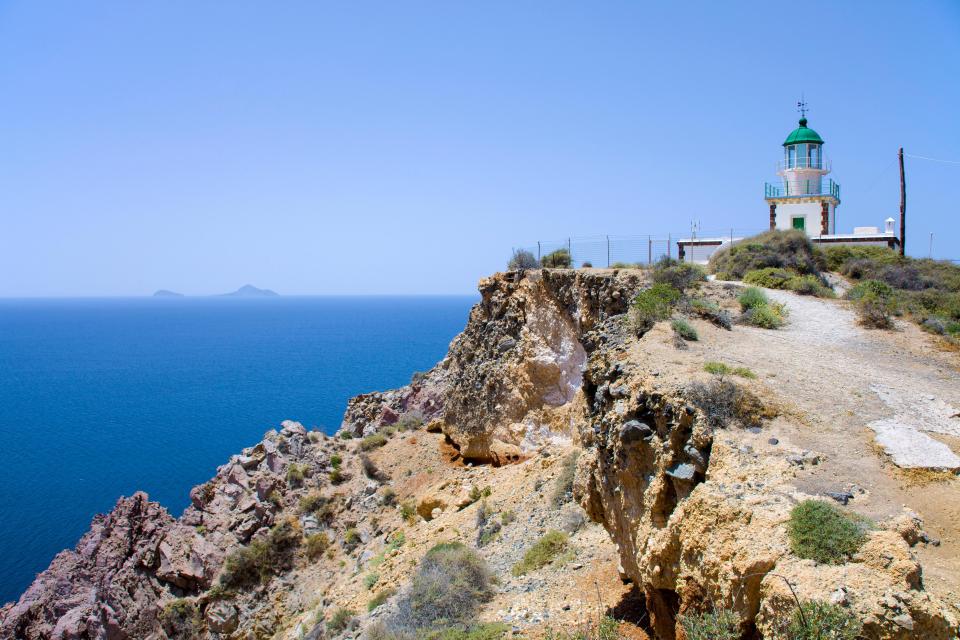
(791, 156)
(815, 156)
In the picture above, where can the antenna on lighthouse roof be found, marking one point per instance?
(802, 107)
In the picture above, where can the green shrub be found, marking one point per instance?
(769, 277)
(507, 517)
(346, 435)
(822, 621)
(262, 558)
(652, 305)
(711, 312)
(721, 624)
(409, 422)
(296, 474)
(370, 580)
(628, 265)
(340, 620)
(336, 477)
(373, 441)
(874, 311)
(683, 329)
(679, 275)
(768, 316)
(871, 287)
(382, 596)
(822, 532)
(809, 285)
(559, 259)
(312, 502)
(317, 544)
(351, 538)
(408, 511)
(522, 259)
(751, 298)
(336, 460)
(542, 553)
(836, 256)
(781, 249)
(563, 485)
(722, 369)
(181, 618)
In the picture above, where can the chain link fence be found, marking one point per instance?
(611, 251)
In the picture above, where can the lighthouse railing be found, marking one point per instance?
(808, 188)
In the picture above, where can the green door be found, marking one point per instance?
(799, 223)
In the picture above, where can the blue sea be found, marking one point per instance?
(102, 397)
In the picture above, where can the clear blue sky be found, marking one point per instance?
(405, 147)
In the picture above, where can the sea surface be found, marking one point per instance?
(103, 397)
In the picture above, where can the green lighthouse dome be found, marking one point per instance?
(802, 134)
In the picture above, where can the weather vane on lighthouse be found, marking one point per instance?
(802, 107)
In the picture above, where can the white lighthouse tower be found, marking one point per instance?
(806, 199)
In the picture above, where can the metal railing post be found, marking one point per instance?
(538, 251)
(669, 250)
(649, 250)
(608, 252)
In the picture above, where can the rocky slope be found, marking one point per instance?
(694, 502)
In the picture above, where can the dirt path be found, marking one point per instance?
(843, 379)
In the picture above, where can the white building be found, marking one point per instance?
(805, 199)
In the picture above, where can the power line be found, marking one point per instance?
(910, 155)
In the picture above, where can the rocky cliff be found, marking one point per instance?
(694, 496)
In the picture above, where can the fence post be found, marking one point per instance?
(538, 251)
(731, 237)
(649, 250)
(570, 251)
(608, 251)
(669, 248)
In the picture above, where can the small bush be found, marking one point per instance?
(822, 621)
(679, 275)
(262, 558)
(317, 544)
(769, 278)
(346, 435)
(628, 265)
(296, 474)
(768, 316)
(716, 368)
(780, 249)
(563, 485)
(312, 502)
(752, 298)
(372, 442)
(409, 422)
(587, 265)
(351, 538)
(507, 517)
(874, 311)
(873, 287)
(336, 460)
(722, 401)
(382, 596)
(809, 286)
(336, 477)
(559, 259)
(542, 553)
(340, 620)
(652, 305)
(683, 329)
(388, 497)
(822, 532)
(711, 312)
(448, 588)
(181, 618)
(408, 511)
(722, 624)
(522, 259)
(370, 580)
(371, 470)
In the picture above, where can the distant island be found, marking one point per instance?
(250, 291)
(246, 291)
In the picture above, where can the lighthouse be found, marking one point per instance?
(805, 199)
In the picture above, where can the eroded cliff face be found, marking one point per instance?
(516, 372)
(697, 508)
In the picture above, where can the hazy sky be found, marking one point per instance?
(405, 147)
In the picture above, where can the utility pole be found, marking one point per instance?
(903, 206)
